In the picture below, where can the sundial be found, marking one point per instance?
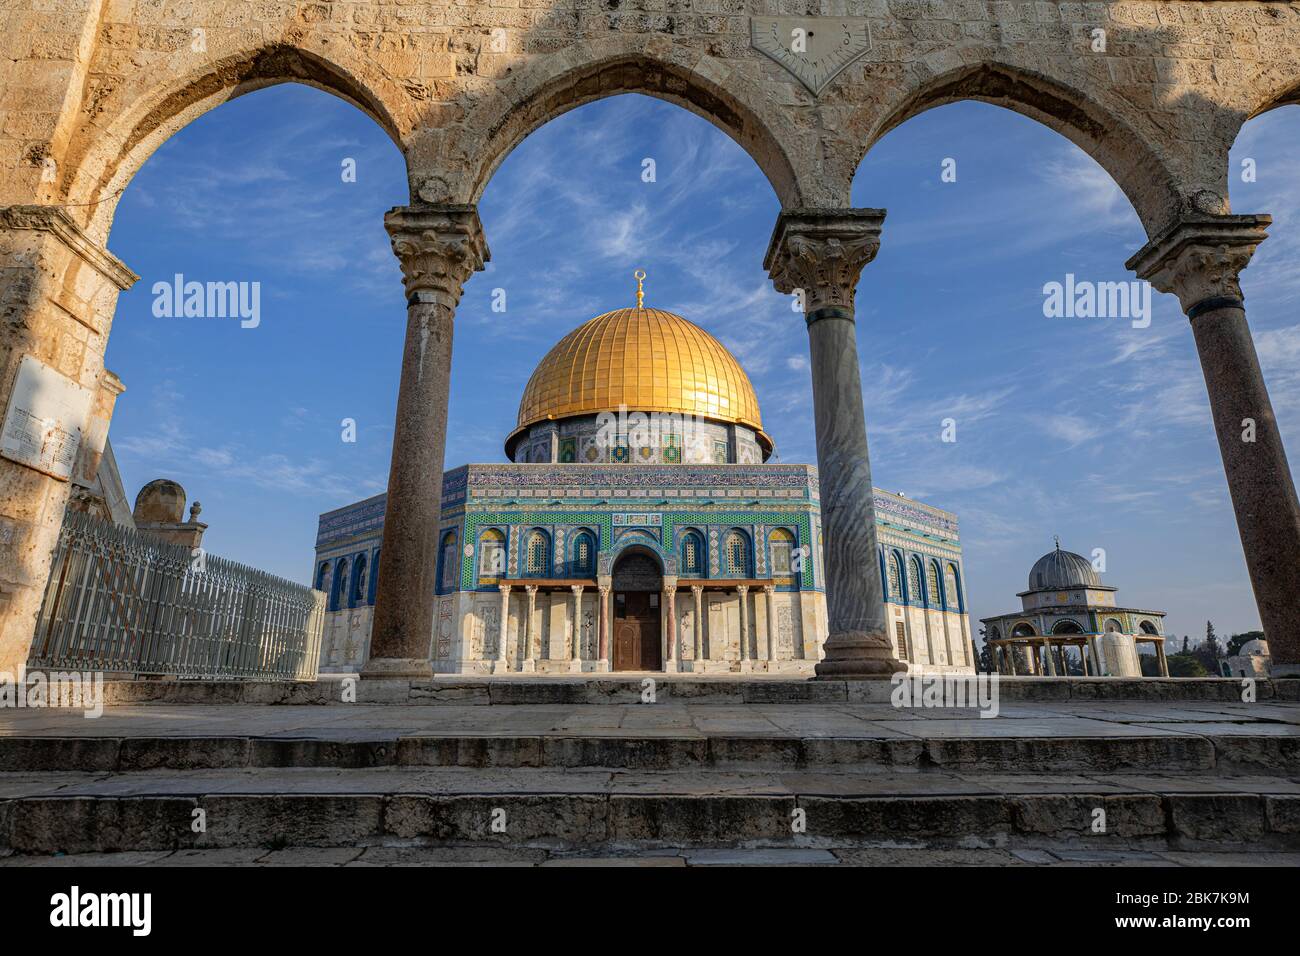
(814, 49)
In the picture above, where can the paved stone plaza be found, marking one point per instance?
(698, 777)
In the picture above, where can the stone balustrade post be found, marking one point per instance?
(503, 662)
(439, 248)
(1200, 259)
(819, 255)
(577, 626)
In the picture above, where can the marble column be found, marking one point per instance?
(770, 591)
(1047, 652)
(530, 627)
(697, 594)
(670, 608)
(439, 248)
(743, 591)
(577, 626)
(1009, 651)
(503, 661)
(1160, 656)
(603, 625)
(819, 255)
(1200, 259)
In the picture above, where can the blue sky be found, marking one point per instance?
(1086, 428)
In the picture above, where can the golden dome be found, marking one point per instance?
(648, 360)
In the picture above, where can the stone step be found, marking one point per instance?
(1211, 754)
(608, 689)
(88, 813)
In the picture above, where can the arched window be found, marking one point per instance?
(736, 549)
(322, 575)
(1066, 627)
(339, 592)
(491, 554)
(584, 555)
(537, 554)
(782, 544)
(374, 577)
(692, 553)
(449, 564)
(914, 592)
(358, 589)
(932, 586)
(895, 578)
(1023, 630)
(1148, 628)
(953, 602)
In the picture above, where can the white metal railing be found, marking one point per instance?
(119, 601)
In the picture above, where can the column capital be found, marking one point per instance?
(439, 248)
(603, 589)
(531, 589)
(697, 589)
(669, 584)
(503, 588)
(576, 589)
(742, 588)
(1200, 258)
(822, 252)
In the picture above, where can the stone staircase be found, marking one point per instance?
(520, 767)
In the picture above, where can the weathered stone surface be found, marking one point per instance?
(1124, 815)
(274, 820)
(567, 818)
(896, 817)
(90, 824)
(686, 820)
(1217, 818)
(181, 753)
(1057, 754)
(1282, 813)
(58, 753)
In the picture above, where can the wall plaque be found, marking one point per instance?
(42, 426)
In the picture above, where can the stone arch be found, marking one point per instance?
(101, 161)
(552, 86)
(1130, 159)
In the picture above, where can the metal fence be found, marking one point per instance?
(119, 601)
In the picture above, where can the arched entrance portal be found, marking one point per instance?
(637, 582)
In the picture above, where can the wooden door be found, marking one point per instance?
(636, 631)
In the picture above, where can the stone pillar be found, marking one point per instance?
(697, 594)
(577, 627)
(1047, 652)
(439, 248)
(1009, 652)
(819, 254)
(603, 625)
(1200, 259)
(503, 662)
(58, 292)
(670, 608)
(743, 591)
(770, 591)
(1160, 656)
(530, 658)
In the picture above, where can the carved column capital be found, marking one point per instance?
(603, 589)
(1200, 258)
(531, 589)
(438, 247)
(503, 588)
(576, 589)
(769, 588)
(697, 589)
(742, 589)
(822, 252)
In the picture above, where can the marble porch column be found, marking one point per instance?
(503, 662)
(1160, 656)
(1009, 652)
(697, 594)
(439, 248)
(743, 591)
(530, 658)
(1047, 652)
(603, 625)
(770, 591)
(819, 255)
(1200, 259)
(576, 657)
(670, 608)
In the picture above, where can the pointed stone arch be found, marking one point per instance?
(554, 85)
(1099, 129)
(101, 160)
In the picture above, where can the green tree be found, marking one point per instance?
(1186, 665)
